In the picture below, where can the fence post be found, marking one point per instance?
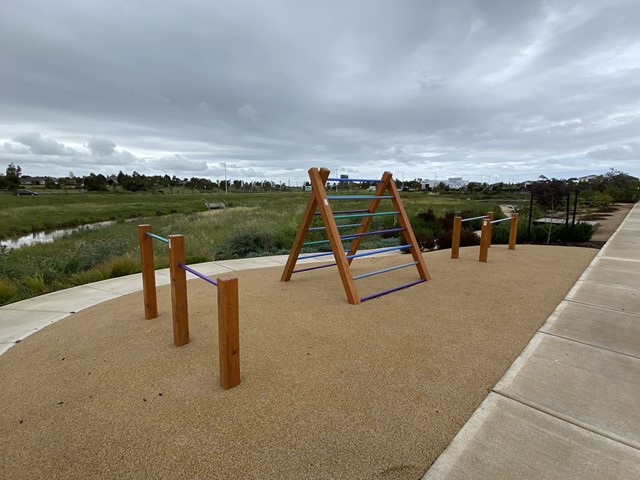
(485, 240)
(228, 331)
(148, 272)
(490, 215)
(179, 306)
(455, 236)
(513, 232)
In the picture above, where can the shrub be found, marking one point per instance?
(246, 243)
(122, 266)
(468, 238)
(9, 291)
(34, 284)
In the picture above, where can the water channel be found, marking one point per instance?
(51, 235)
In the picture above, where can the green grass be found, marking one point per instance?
(255, 224)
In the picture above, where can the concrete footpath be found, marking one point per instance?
(569, 406)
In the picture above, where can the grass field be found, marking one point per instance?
(255, 224)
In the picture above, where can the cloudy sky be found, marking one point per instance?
(493, 90)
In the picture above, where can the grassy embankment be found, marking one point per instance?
(256, 224)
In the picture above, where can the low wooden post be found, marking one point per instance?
(485, 240)
(148, 272)
(490, 215)
(228, 331)
(455, 237)
(179, 305)
(513, 232)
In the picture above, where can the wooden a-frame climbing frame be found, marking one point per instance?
(319, 202)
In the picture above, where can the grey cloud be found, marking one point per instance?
(101, 146)
(270, 88)
(630, 151)
(40, 145)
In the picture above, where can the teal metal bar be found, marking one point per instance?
(153, 235)
(390, 269)
(358, 215)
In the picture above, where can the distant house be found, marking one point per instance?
(26, 180)
(588, 178)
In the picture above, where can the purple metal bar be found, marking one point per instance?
(198, 274)
(502, 220)
(384, 292)
(313, 268)
(379, 250)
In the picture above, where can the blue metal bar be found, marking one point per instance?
(357, 197)
(384, 292)
(198, 274)
(313, 268)
(345, 211)
(365, 215)
(502, 220)
(351, 236)
(474, 218)
(384, 270)
(339, 226)
(379, 250)
(153, 235)
(353, 180)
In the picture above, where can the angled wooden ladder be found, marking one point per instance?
(319, 204)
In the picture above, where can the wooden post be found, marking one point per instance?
(403, 218)
(455, 237)
(317, 184)
(179, 306)
(228, 331)
(305, 223)
(485, 240)
(148, 272)
(490, 215)
(513, 232)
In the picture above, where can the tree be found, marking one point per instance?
(12, 177)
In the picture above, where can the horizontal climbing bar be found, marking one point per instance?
(198, 274)
(157, 237)
(349, 225)
(378, 250)
(474, 218)
(502, 220)
(375, 232)
(365, 215)
(351, 236)
(313, 268)
(323, 254)
(347, 211)
(378, 180)
(357, 197)
(384, 270)
(384, 292)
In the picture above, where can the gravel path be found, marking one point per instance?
(329, 390)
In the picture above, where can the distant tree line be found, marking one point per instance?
(136, 182)
(614, 186)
